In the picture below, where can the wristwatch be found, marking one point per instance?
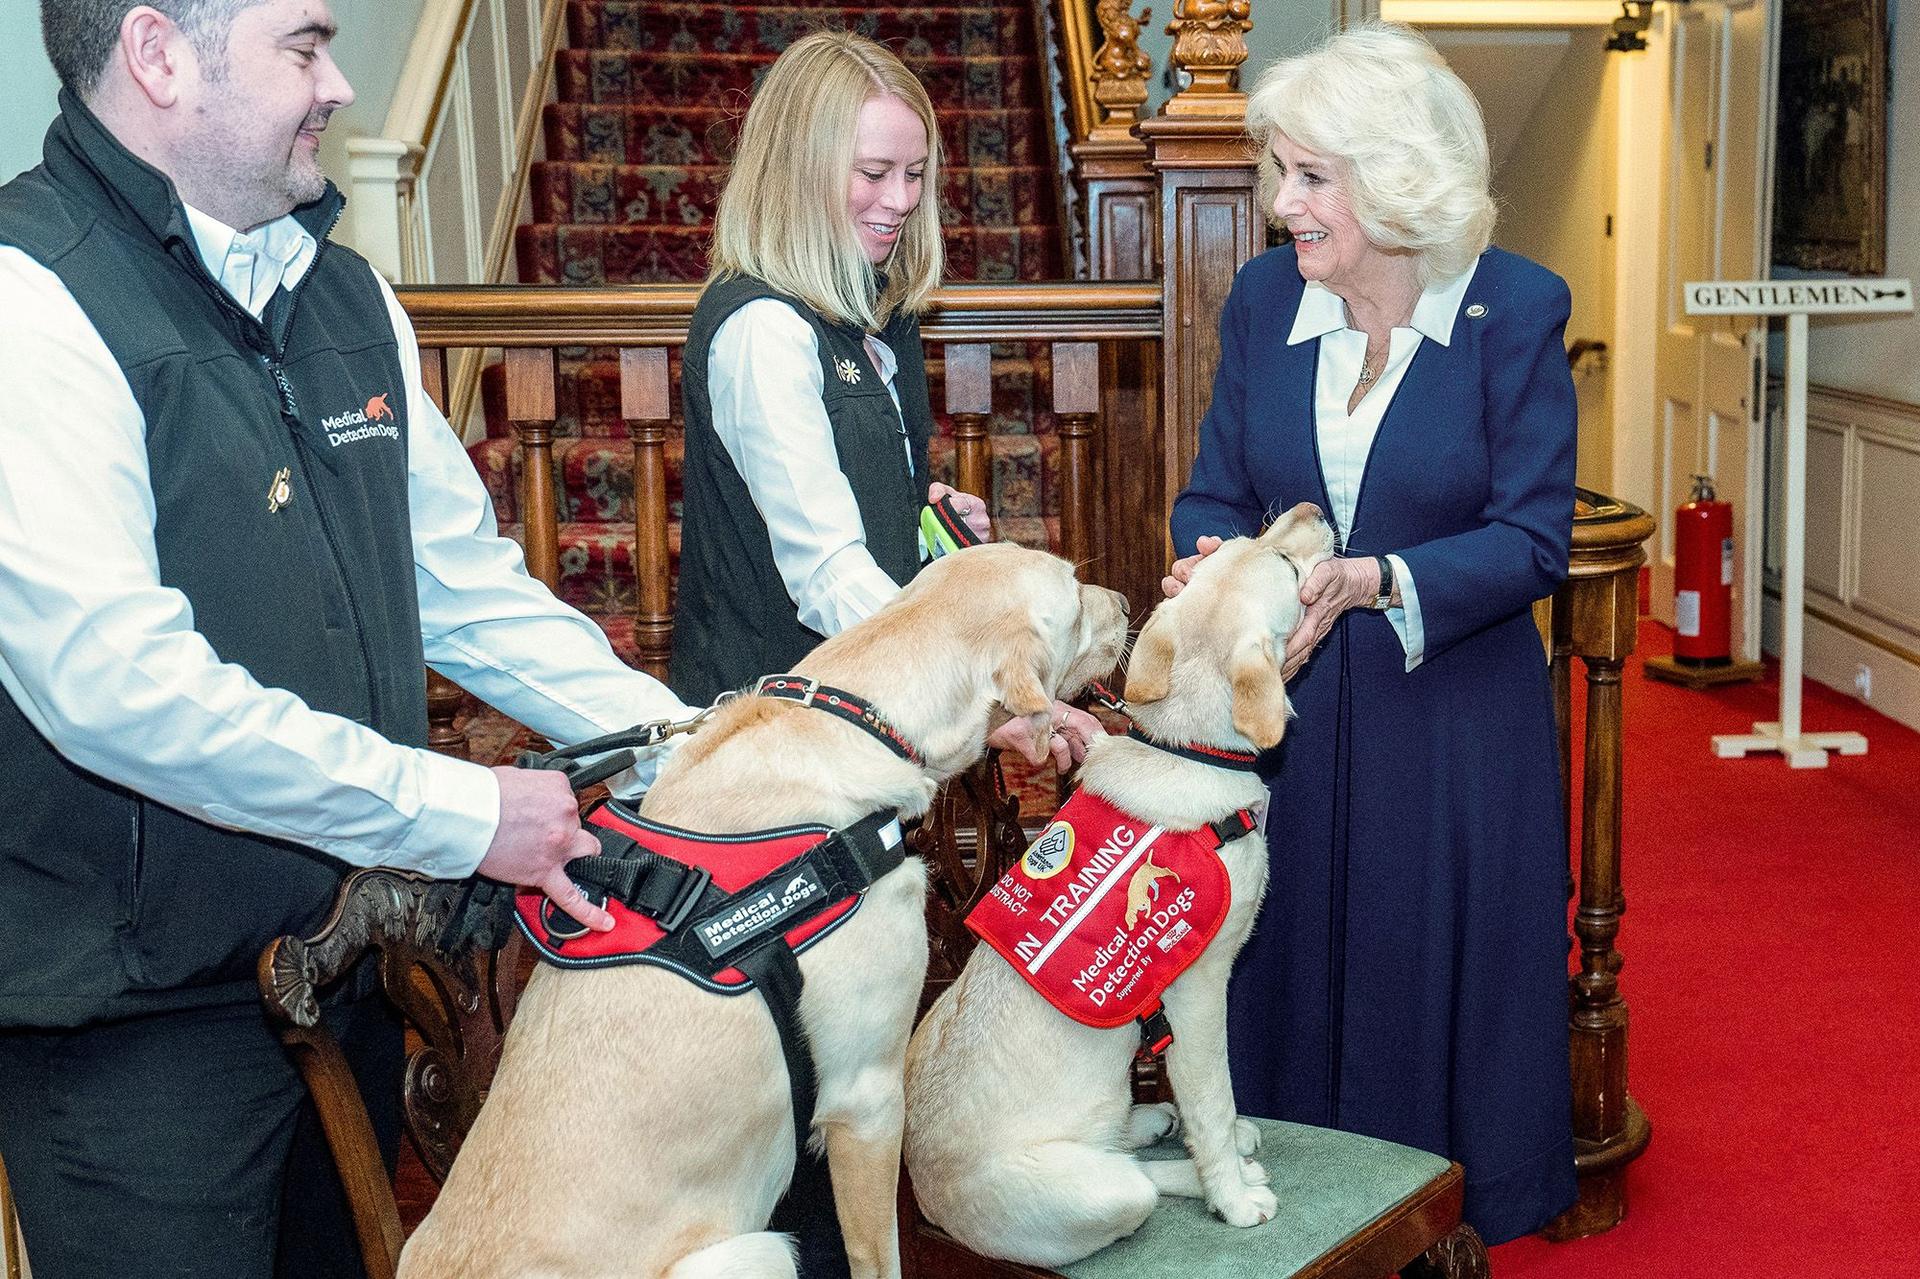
(1384, 600)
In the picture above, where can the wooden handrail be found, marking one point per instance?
(657, 314)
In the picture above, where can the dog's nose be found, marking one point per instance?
(1308, 511)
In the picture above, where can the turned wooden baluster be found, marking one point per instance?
(530, 409)
(444, 697)
(645, 404)
(969, 378)
(1076, 398)
(1600, 603)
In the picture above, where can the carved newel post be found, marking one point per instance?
(1111, 163)
(1209, 224)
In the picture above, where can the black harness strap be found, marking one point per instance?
(707, 931)
(775, 971)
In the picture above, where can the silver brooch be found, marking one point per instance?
(849, 371)
(1475, 311)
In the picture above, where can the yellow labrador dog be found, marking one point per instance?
(1019, 1123)
(640, 1126)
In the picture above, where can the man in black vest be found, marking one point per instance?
(232, 529)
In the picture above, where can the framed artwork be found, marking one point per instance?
(1830, 156)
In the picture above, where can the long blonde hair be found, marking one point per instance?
(783, 215)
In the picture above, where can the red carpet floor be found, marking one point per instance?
(1770, 973)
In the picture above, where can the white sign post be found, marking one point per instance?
(1795, 299)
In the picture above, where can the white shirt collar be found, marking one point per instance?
(253, 265)
(1322, 312)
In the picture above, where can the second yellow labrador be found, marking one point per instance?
(1019, 1118)
(641, 1126)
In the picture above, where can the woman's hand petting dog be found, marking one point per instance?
(1073, 728)
(1182, 570)
(1333, 587)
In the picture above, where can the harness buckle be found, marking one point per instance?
(806, 685)
(692, 886)
(1156, 1033)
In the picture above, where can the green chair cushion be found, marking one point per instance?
(1330, 1186)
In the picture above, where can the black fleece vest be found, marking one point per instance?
(111, 903)
(734, 621)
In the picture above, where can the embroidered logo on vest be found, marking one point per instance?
(1104, 911)
(376, 420)
(849, 371)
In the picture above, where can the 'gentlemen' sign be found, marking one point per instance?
(1783, 297)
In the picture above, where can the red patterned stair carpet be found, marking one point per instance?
(650, 100)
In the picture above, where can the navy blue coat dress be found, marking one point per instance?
(1408, 975)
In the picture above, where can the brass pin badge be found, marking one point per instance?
(280, 492)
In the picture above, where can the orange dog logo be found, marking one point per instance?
(377, 408)
(1144, 889)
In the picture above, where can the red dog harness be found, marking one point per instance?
(692, 902)
(1105, 911)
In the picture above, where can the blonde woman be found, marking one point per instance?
(804, 381)
(1409, 978)
(805, 391)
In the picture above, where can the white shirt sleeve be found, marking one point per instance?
(766, 387)
(1405, 619)
(105, 662)
(486, 624)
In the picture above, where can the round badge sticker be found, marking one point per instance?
(1048, 855)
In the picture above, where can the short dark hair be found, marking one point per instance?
(80, 34)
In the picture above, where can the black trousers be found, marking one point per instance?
(183, 1144)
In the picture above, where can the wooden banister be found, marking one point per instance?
(1596, 618)
(530, 410)
(646, 404)
(969, 382)
(657, 314)
(1076, 400)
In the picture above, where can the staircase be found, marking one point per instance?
(651, 97)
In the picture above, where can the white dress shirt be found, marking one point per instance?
(1346, 439)
(766, 387)
(104, 660)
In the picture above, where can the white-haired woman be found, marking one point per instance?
(804, 382)
(1409, 978)
(804, 387)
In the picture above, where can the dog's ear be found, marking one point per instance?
(1259, 695)
(1151, 667)
(1018, 688)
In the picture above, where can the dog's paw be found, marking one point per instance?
(1254, 1173)
(1151, 1122)
(1252, 1206)
(1246, 1136)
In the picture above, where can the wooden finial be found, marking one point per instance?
(1120, 70)
(1209, 43)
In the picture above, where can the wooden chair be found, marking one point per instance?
(456, 1006)
(1352, 1208)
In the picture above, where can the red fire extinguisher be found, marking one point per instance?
(1703, 578)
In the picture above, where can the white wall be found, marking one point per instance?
(374, 35)
(31, 86)
(1550, 95)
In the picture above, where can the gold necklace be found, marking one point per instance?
(1366, 374)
